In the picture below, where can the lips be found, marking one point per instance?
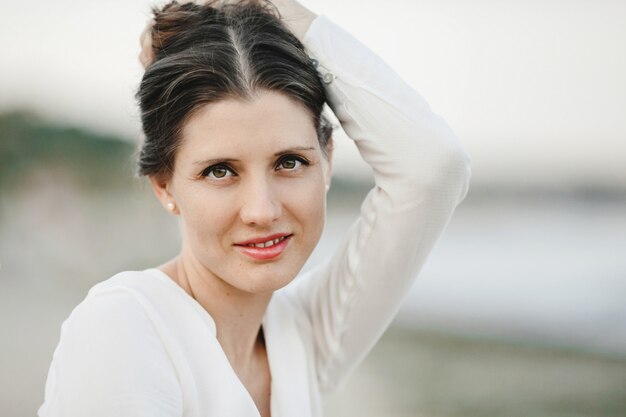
(264, 248)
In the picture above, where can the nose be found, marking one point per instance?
(260, 205)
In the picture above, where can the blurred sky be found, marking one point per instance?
(535, 89)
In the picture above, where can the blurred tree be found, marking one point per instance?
(29, 144)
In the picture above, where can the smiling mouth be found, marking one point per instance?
(265, 241)
(269, 249)
(267, 244)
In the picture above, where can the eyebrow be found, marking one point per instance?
(296, 149)
(215, 161)
(227, 160)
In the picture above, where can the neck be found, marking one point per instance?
(237, 314)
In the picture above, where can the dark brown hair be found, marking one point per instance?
(206, 53)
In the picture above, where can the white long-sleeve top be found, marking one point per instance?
(140, 346)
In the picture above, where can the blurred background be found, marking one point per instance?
(521, 308)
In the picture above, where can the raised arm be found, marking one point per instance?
(421, 173)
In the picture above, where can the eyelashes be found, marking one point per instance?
(292, 162)
(218, 171)
(288, 163)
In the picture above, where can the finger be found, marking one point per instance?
(145, 40)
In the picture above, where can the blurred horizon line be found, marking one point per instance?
(361, 180)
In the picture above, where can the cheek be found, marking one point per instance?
(206, 213)
(307, 203)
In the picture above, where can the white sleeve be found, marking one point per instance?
(110, 362)
(421, 173)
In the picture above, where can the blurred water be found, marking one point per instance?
(545, 269)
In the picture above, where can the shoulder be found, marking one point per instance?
(126, 280)
(131, 305)
(110, 306)
(112, 322)
(110, 355)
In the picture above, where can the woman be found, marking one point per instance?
(237, 147)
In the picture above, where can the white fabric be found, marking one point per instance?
(140, 346)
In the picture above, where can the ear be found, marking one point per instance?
(328, 163)
(162, 190)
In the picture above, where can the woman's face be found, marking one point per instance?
(247, 175)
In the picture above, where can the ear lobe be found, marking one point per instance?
(328, 176)
(161, 188)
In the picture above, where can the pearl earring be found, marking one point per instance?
(171, 206)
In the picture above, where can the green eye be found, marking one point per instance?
(291, 163)
(218, 172)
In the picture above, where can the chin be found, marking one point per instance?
(255, 276)
(268, 280)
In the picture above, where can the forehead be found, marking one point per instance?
(268, 121)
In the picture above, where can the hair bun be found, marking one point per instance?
(173, 24)
(179, 26)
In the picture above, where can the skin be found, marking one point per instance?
(256, 194)
(244, 170)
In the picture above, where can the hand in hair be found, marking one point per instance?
(294, 15)
(146, 56)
